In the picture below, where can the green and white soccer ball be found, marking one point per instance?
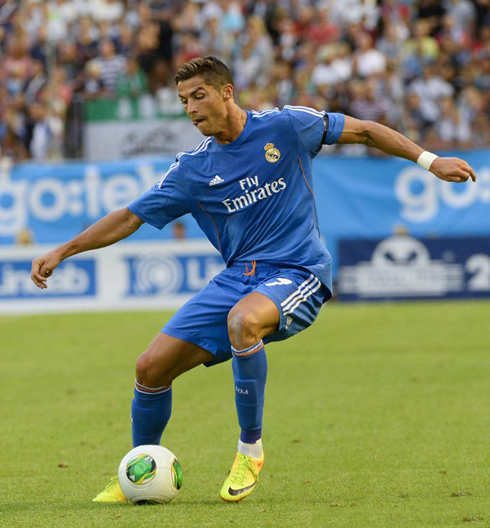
(150, 473)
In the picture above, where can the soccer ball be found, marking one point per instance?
(150, 473)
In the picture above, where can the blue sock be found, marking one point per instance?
(150, 413)
(250, 373)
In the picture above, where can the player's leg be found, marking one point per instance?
(251, 319)
(282, 305)
(166, 358)
(196, 334)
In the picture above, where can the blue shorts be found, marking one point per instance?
(297, 293)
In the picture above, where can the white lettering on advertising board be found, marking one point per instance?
(420, 193)
(51, 199)
(402, 266)
(133, 275)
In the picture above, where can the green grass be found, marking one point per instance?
(377, 416)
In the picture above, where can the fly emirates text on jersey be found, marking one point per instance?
(253, 193)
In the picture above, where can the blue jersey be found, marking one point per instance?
(253, 197)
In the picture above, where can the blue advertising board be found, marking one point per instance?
(356, 198)
(404, 267)
(373, 198)
(141, 275)
(156, 275)
(58, 201)
(73, 279)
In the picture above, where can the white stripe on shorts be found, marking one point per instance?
(298, 291)
(314, 287)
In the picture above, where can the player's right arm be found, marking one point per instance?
(392, 142)
(108, 230)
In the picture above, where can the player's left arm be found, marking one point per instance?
(393, 143)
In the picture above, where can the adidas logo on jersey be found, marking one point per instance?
(216, 180)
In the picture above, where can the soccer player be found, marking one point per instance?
(249, 186)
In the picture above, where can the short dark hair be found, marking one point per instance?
(213, 71)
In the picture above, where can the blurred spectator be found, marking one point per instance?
(162, 15)
(60, 15)
(159, 77)
(33, 87)
(365, 105)
(430, 89)
(288, 39)
(247, 66)
(24, 237)
(463, 13)
(423, 42)
(7, 9)
(322, 30)
(14, 141)
(422, 67)
(147, 49)
(111, 65)
(43, 131)
(92, 82)
(133, 82)
(391, 90)
(335, 66)
(447, 126)
(482, 77)
(232, 20)
(282, 79)
(106, 10)
(431, 11)
(69, 58)
(60, 90)
(178, 230)
(253, 55)
(125, 40)
(356, 12)
(40, 45)
(473, 115)
(212, 37)
(368, 60)
(413, 120)
(390, 45)
(87, 39)
(17, 61)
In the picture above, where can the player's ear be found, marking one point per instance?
(227, 92)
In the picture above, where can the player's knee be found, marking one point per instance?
(243, 328)
(152, 373)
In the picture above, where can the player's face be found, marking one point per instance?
(205, 106)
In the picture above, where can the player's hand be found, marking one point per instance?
(452, 170)
(43, 267)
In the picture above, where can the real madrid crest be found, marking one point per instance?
(272, 154)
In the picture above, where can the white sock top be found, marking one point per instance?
(253, 450)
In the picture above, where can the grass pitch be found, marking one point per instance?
(377, 416)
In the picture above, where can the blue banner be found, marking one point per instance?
(141, 275)
(73, 279)
(404, 267)
(373, 198)
(58, 201)
(356, 198)
(151, 275)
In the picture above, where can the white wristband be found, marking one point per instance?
(426, 158)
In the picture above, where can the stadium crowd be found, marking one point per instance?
(421, 67)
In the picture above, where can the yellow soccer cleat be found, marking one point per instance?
(242, 479)
(112, 493)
